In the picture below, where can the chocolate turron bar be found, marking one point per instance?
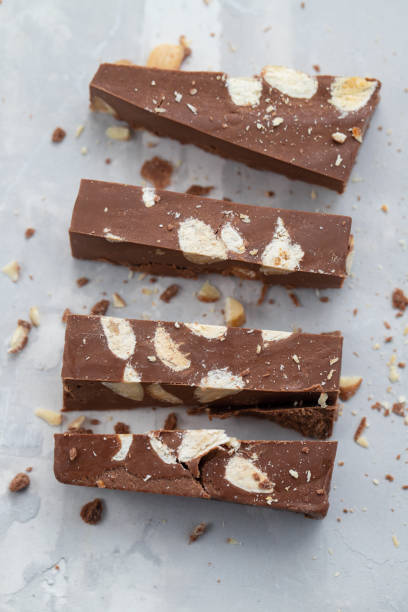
(307, 127)
(202, 463)
(162, 232)
(292, 378)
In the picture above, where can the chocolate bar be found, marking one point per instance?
(114, 363)
(204, 463)
(306, 127)
(177, 234)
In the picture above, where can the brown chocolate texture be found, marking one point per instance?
(121, 363)
(208, 464)
(283, 120)
(177, 234)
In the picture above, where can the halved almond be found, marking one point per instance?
(12, 270)
(208, 293)
(50, 416)
(349, 385)
(20, 336)
(234, 312)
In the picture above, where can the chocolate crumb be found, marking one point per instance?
(355, 311)
(377, 406)
(226, 199)
(401, 364)
(398, 457)
(404, 487)
(316, 67)
(340, 463)
(100, 308)
(262, 296)
(95, 422)
(388, 339)
(387, 325)
(157, 171)
(389, 477)
(399, 300)
(324, 299)
(91, 512)
(19, 482)
(58, 135)
(29, 233)
(170, 422)
(294, 298)
(270, 194)
(73, 453)
(65, 315)
(29, 469)
(121, 428)
(305, 450)
(82, 281)
(169, 293)
(197, 532)
(360, 429)
(199, 190)
(82, 430)
(108, 161)
(320, 491)
(399, 408)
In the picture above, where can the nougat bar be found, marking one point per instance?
(204, 463)
(306, 127)
(113, 363)
(166, 233)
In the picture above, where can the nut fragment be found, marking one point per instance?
(169, 293)
(349, 385)
(118, 132)
(208, 293)
(118, 301)
(197, 532)
(234, 312)
(65, 315)
(76, 423)
(19, 482)
(34, 315)
(100, 106)
(20, 336)
(339, 137)
(12, 270)
(357, 134)
(169, 57)
(50, 416)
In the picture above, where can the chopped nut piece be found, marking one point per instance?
(395, 541)
(118, 301)
(12, 270)
(34, 315)
(339, 137)
(79, 130)
(384, 208)
(399, 408)
(360, 429)
(234, 312)
(50, 416)
(81, 282)
(362, 441)
(170, 422)
(73, 453)
(19, 482)
(389, 477)
(199, 190)
(65, 315)
(157, 171)
(76, 423)
(100, 308)
(349, 386)
(91, 512)
(399, 299)
(208, 293)
(58, 135)
(169, 57)
(197, 532)
(169, 293)
(20, 336)
(29, 233)
(118, 132)
(121, 428)
(357, 134)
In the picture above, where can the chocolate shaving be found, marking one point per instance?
(82, 281)
(360, 429)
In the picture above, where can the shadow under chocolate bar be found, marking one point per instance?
(112, 363)
(204, 463)
(167, 233)
(306, 127)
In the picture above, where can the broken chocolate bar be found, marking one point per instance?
(306, 127)
(203, 463)
(122, 363)
(162, 232)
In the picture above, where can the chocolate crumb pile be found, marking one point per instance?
(197, 532)
(20, 481)
(91, 512)
(157, 171)
(121, 428)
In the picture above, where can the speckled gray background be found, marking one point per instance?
(138, 557)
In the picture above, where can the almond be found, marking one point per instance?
(169, 57)
(20, 336)
(118, 132)
(34, 315)
(50, 416)
(234, 312)
(118, 301)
